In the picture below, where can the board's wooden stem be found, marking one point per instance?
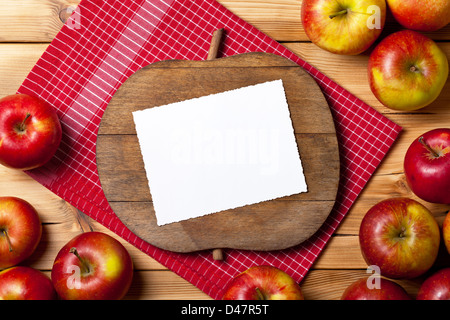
(212, 54)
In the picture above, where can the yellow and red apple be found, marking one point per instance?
(347, 27)
(92, 266)
(401, 237)
(407, 71)
(387, 290)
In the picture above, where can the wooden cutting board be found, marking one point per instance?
(270, 225)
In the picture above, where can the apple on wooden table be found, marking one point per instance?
(20, 231)
(421, 15)
(263, 283)
(25, 283)
(343, 27)
(30, 132)
(92, 266)
(436, 286)
(382, 289)
(407, 71)
(401, 237)
(427, 166)
(446, 231)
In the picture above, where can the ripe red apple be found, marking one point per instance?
(263, 283)
(421, 15)
(363, 289)
(25, 283)
(20, 231)
(427, 166)
(407, 71)
(30, 132)
(436, 287)
(401, 237)
(343, 27)
(92, 266)
(446, 231)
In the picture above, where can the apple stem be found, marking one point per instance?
(85, 267)
(8, 240)
(334, 15)
(434, 153)
(259, 293)
(22, 125)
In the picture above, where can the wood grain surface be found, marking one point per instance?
(261, 226)
(28, 26)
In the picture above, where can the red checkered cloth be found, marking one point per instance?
(104, 42)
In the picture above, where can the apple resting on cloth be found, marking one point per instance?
(387, 290)
(30, 132)
(20, 231)
(401, 237)
(263, 283)
(427, 166)
(421, 15)
(407, 71)
(343, 27)
(25, 283)
(92, 266)
(436, 287)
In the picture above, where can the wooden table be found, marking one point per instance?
(28, 26)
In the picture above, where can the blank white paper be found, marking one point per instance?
(219, 152)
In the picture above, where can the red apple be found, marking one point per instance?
(407, 71)
(343, 27)
(436, 287)
(20, 231)
(427, 166)
(421, 15)
(263, 283)
(30, 132)
(363, 289)
(401, 237)
(92, 266)
(446, 231)
(25, 283)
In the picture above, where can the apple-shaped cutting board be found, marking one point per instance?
(271, 225)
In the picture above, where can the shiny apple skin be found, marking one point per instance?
(401, 237)
(110, 268)
(346, 34)
(21, 223)
(436, 287)
(407, 71)
(41, 136)
(421, 15)
(25, 283)
(388, 290)
(446, 231)
(428, 171)
(272, 283)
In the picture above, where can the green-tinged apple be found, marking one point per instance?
(382, 289)
(436, 286)
(427, 166)
(421, 15)
(20, 231)
(407, 71)
(401, 237)
(263, 283)
(30, 132)
(92, 266)
(347, 27)
(25, 283)
(446, 231)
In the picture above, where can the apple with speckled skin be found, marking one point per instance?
(436, 286)
(92, 266)
(421, 15)
(446, 231)
(25, 283)
(407, 71)
(263, 283)
(364, 289)
(401, 237)
(343, 27)
(427, 166)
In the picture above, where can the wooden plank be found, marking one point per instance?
(39, 20)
